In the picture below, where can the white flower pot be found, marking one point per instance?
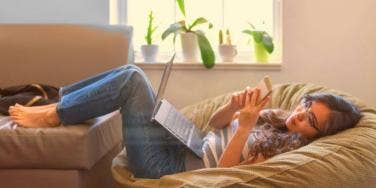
(149, 53)
(190, 47)
(227, 52)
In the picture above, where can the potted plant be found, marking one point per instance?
(191, 39)
(149, 51)
(226, 50)
(263, 44)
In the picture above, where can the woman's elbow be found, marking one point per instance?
(216, 126)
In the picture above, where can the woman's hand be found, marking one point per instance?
(237, 101)
(249, 114)
(225, 114)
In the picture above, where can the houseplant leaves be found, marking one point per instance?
(198, 21)
(181, 6)
(207, 53)
(174, 28)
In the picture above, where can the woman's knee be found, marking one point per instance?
(134, 83)
(136, 73)
(131, 67)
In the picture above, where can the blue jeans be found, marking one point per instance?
(152, 152)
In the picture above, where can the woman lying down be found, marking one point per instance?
(245, 132)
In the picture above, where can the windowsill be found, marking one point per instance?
(243, 61)
(218, 66)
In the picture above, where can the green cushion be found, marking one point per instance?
(346, 159)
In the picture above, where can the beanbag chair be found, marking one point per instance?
(346, 159)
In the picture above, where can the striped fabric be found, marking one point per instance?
(216, 141)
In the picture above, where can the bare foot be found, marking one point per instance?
(33, 117)
(34, 107)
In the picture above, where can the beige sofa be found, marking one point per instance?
(59, 54)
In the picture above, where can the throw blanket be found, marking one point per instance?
(27, 95)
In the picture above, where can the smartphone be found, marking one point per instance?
(265, 86)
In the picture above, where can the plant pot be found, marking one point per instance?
(149, 53)
(227, 52)
(189, 45)
(261, 55)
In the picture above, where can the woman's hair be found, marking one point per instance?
(271, 137)
(343, 115)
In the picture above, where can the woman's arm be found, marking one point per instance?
(233, 151)
(247, 119)
(222, 116)
(225, 113)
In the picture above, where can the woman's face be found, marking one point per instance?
(308, 119)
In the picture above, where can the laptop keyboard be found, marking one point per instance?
(178, 123)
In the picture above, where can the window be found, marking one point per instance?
(224, 14)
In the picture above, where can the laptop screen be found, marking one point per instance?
(164, 79)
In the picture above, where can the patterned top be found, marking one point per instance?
(216, 141)
(271, 141)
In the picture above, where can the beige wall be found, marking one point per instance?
(327, 42)
(54, 11)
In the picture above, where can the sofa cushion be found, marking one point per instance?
(63, 147)
(342, 160)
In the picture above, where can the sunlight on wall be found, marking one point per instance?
(114, 19)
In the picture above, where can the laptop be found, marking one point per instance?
(167, 116)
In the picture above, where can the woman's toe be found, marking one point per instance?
(16, 121)
(11, 112)
(13, 115)
(18, 106)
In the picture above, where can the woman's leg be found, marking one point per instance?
(76, 86)
(151, 151)
(83, 83)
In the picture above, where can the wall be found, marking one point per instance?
(54, 11)
(330, 43)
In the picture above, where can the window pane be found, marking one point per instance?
(238, 13)
(224, 14)
(210, 10)
(164, 14)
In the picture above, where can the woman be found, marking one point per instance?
(151, 150)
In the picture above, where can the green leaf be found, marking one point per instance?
(148, 36)
(257, 36)
(198, 21)
(174, 28)
(181, 6)
(267, 42)
(174, 39)
(247, 31)
(220, 36)
(155, 28)
(252, 26)
(207, 53)
(210, 25)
